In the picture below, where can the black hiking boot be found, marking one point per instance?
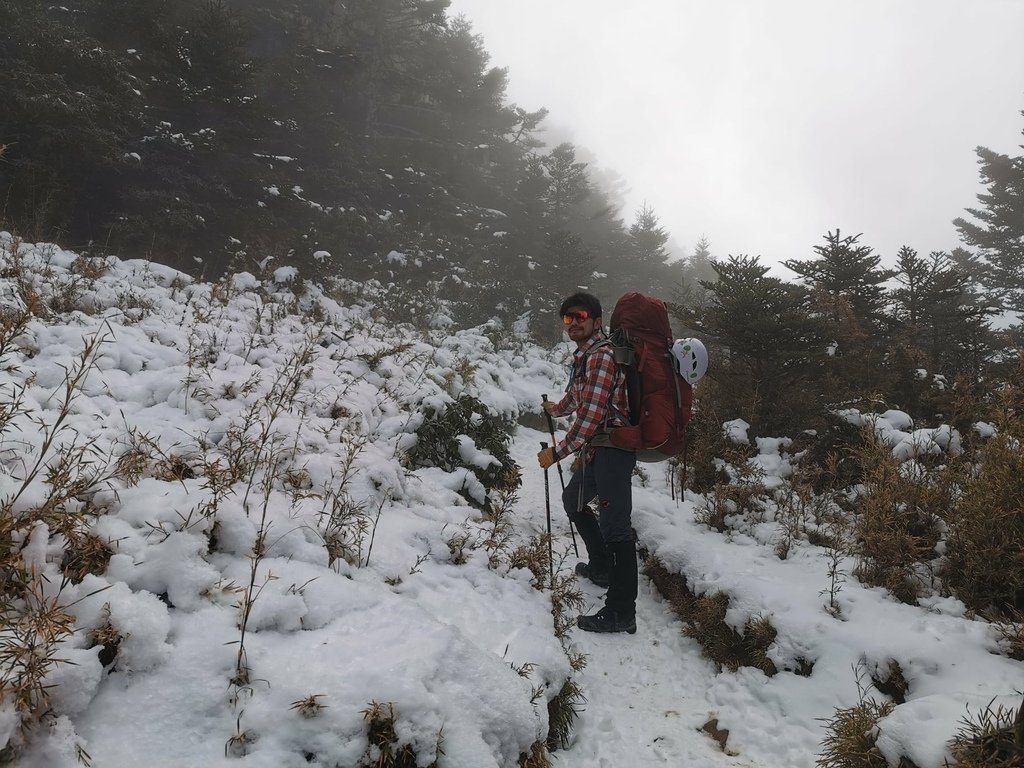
(584, 571)
(607, 620)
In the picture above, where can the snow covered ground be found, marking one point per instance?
(344, 556)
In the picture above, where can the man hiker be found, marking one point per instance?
(596, 396)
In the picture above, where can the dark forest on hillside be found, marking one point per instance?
(216, 135)
(372, 139)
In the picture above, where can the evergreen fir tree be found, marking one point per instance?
(597, 220)
(848, 285)
(770, 346)
(938, 314)
(390, 40)
(851, 271)
(69, 111)
(647, 238)
(997, 228)
(701, 263)
(696, 270)
(567, 182)
(568, 266)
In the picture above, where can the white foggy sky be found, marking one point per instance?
(765, 124)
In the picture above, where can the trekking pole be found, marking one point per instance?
(561, 477)
(547, 505)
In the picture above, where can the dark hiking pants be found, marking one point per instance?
(608, 535)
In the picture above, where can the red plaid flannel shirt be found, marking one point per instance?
(596, 395)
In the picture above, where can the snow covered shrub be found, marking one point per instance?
(993, 738)
(342, 522)
(91, 267)
(374, 359)
(344, 526)
(739, 502)
(496, 525)
(35, 624)
(134, 304)
(464, 433)
(726, 647)
(829, 455)
(458, 543)
(49, 286)
(799, 511)
(47, 542)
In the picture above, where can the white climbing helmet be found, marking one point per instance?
(691, 359)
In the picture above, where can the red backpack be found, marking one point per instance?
(660, 400)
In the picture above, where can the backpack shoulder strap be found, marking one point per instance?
(605, 342)
(579, 366)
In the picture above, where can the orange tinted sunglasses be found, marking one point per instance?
(582, 316)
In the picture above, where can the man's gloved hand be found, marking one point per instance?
(549, 406)
(546, 457)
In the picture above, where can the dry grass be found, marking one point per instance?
(704, 619)
(173, 469)
(705, 440)
(535, 558)
(985, 546)
(1010, 630)
(897, 525)
(384, 749)
(310, 706)
(342, 522)
(993, 738)
(69, 471)
(85, 553)
(537, 757)
(852, 734)
(563, 709)
(36, 625)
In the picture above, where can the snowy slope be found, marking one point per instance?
(267, 422)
